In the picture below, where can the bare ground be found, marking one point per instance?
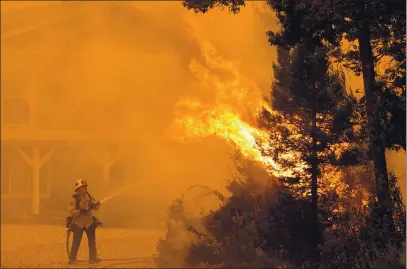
(43, 246)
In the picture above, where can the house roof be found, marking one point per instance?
(27, 27)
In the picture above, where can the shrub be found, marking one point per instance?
(173, 248)
(357, 240)
(266, 225)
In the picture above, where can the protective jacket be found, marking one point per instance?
(79, 208)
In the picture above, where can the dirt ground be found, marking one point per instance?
(43, 246)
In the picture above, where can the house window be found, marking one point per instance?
(15, 111)
(15, 174)
(16, 85)
(5, 181)
(15, 82)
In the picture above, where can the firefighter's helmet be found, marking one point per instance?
(80, 183)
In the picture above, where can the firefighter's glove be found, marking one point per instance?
(83, 212)
(94, 205)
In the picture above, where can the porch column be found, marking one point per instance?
(36, 162)
(36, 168)
(106, 160)
(106, 164)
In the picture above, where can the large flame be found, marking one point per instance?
(237, 101)
(230, 116)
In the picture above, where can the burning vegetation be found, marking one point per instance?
(223, 117)
(323, 202)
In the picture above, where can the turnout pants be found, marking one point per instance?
(77, 238)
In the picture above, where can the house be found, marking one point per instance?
(51, 53)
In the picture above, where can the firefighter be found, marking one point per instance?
(80, 208)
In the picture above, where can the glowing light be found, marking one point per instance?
(224, 118)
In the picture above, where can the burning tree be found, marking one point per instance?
(309, 94)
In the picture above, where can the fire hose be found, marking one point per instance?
(97, 223)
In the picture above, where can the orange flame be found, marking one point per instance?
(237, 100)
(224, 118)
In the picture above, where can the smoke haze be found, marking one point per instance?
(117, 70)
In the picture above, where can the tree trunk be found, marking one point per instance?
(314, 166)
(314, 184)
(377, 146)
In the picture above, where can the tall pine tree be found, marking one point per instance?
(364, 21)
(309, 94)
